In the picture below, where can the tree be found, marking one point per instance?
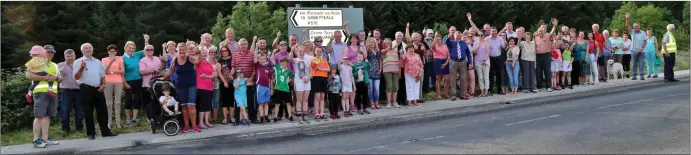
(648, 16)
(249, 20)
(17, 20)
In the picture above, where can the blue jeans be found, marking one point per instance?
(373, 90)
(512, 72)
(215, 101)
(638, 59)
(67, 99)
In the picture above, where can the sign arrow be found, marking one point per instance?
(317, 18)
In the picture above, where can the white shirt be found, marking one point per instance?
(92, 73)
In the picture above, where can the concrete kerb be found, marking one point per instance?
(404, 115)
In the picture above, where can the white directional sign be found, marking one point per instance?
(325, 35)
(317, 18)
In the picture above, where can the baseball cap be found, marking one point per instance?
(238, 71)
(37, 50)
(430, 31)
(49, 48)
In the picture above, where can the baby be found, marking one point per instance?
(38, 65)
(168, 101)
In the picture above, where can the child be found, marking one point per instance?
(566, 63)
(38, 65)
(412, 64)
(347, 86)
(361, 76)
(556, 64)
(320, 69)
(263, 72)
(240, 84)
(281, 90)
(168, 101)
(334, 92)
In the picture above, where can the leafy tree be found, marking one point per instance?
(648, 16)
(249, 20)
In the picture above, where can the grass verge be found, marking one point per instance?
(25, 136)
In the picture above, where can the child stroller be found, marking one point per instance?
(170, 123)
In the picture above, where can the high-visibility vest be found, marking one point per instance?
(42, 86)
(671, 44)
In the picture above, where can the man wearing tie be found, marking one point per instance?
(90, 76)
(460, 61)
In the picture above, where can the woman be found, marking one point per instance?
(351, 52)
(579, 48)
(303, 74)
(626, 58)
(412, 63)
(617, 45)
(115, 81)
(651, 52)
(227, 101)
(149, 66)
(219, 81)
(391, 69)
(528, 60)
(185, 86)
(205, 87)
(167, 55)
(482, 64)
(374, 57)
(133, 95)
(593, 53)
(512, 64)
(441, 66)
(469, 38)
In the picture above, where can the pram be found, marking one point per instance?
(170, 123)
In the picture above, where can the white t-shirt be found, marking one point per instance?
(171, 101)
(302, 67)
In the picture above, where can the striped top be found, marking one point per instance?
(244, 60)
(391, 62)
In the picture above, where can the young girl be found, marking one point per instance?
(240, 84)
(512, 64)
(566, 63)
(168, 101)
(412, 66)
(263, 72)
(334, 92)
(281, 92)
(391, 69)
(320, 68)
(347, 80)
(556, 64)
(37, 65)
(360, 73)
(303, 74)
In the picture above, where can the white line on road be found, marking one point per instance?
(633, 102)
(526, 121)
(401, 143)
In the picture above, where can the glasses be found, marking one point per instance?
(213, 52)
(149, 49)
(317, 41)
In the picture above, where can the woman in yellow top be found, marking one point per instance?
(320, 69)
(115, 81)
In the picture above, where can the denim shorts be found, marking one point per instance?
(188, 95)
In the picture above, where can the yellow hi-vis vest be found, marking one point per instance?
(42, 86)
(671, 45)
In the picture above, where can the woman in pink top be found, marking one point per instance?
(412, 68)
(441, 65)
(205, 88)
(353, 49)
(149, 66)
(115, 81)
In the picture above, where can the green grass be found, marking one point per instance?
(25, 136)
(682, 62)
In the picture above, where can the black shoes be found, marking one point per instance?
(92, 137)
(109, 134)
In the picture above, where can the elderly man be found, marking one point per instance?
(496, 75)
(451, 35)
(543, 43)
(206, 42)
(45, 106)
(429, 81)
(244, 60)
(229, 41)
(669, 49)
(461, 60)
(638, 39)
(69, 94)
(91, 78)
(335, 47)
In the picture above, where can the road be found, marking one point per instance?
(646, 121)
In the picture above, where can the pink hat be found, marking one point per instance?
(37, 50)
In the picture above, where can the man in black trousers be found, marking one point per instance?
(91, 78)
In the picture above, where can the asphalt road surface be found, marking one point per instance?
(645, 121)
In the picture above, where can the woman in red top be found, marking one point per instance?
(593, 52)
(441, 66)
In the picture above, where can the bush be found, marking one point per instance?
(16, 112)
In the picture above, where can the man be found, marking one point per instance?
(543, 43)
(45, 106)
(429, 80)
(452, 32)
(229, 41)
(244, 60)
(669, 49)
(487, 29)
(509, 30)
(460, 61)
(638, 38)
(600, 44)
(206, 42)
(260, 47)
(91, 78)
(335, 48)
(496, 44)
(69, 94)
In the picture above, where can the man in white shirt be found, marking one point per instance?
(91, 78)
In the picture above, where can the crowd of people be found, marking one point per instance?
(295, 79)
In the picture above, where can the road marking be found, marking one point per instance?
(633, 102)
(526, 121)
(401, 143)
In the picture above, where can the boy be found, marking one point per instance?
(566, 63)
(281, 91)
(264, 74)
(361, 75)
(168, 101)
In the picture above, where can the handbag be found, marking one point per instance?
(658, 61)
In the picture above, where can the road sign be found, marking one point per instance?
(317, 18)
(325, 35)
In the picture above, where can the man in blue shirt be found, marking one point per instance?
(460, 59)
(638, 38)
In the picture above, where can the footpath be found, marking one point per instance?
(380, 117)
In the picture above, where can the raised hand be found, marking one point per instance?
(555, 21)
(468, 15)
(278, 34)
(407, 24)
(345, 24)
(254, 38)
(627, 15)
(146, 37)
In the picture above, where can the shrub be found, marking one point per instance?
(16, 112)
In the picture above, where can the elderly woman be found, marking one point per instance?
(149, 66)
(133, 95)
(115, 81)
(651, 47)
(205, 86)
(183, 66)
(420, 48)
(528, 57)
(391, 69)
(169, 52)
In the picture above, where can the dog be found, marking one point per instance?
(614, 70)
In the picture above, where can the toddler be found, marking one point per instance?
(38, 65)
(168, 101)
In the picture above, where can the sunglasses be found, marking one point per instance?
(149, 50)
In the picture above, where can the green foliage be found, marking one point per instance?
(648, 16)
(442, 28)
(16, 112)
(249, 20)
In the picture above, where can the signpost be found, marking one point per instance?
(322, 22)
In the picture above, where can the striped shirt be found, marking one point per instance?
(244, 60)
